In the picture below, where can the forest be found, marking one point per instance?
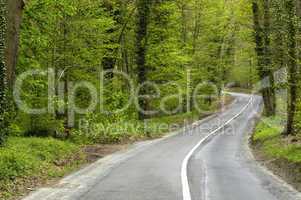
(96, 72)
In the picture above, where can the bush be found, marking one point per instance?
(31, 156)
(268, 135)
(268, 128)
(35, 125)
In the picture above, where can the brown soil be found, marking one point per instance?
(95, 152)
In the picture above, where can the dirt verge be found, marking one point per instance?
(286, 170)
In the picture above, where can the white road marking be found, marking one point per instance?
(184, 177)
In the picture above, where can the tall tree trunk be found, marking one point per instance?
(3, 26)
(143, 11)
(195, 37)
(182, 5)
(292, 67)
(196, 29)
(279, 47)
(184, 22)
(267, 60)
(109, 61)
(265, 74)
(15, 8)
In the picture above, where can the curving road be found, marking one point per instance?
(218, 166)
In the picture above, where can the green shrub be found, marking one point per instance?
(35, 125)
(22, 157)
(273, 144)
(14, 163)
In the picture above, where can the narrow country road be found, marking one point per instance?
(218, 166)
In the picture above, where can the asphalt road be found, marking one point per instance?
(220, 168)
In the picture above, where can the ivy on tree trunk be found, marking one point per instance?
(3, 82)
(292, 67)
(262, 40)
(143, 11)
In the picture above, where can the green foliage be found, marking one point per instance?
(35, 157)
(62, 35)
(187, 43)
(129, 130)
(24, 156)
(268, 136)
(268, 128)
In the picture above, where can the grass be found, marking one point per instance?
(26, 161)
(161, 125)
(134, 130)
(273, 144)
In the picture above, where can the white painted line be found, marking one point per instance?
(184, 177)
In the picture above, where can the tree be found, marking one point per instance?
(143, 11)
(271, 107)
(3, 85)
(15, 9)
(292, 66)
(262, 40)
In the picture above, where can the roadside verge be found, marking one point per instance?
(280, 155)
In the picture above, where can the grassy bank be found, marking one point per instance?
(280, 154)
(28, 162)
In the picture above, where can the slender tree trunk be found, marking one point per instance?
(143, 11)
(279, 50)
(259, 43)
(109, 61)
(125, 58)
(196, 31)
(188, 102)
(15, 9)
(262, 47)
(184, 23)
(3, 85)
(292, 67)
(267, 60)
(195, 37)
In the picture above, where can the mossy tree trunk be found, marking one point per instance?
(143, 12)
(271, 111)
(15, 9)
(292, 66)
(3, 82)
(262, 40)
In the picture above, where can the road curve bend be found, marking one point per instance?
(214, 154)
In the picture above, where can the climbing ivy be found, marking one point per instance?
(3, 85)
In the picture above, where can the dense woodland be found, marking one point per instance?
(172, 43)
(276, 30)
(169, 43)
